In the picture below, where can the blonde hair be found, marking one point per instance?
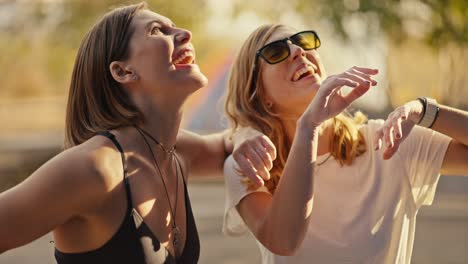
(245, 107)
(96, 102)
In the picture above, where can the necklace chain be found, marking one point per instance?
(175, 229)
(168, 151)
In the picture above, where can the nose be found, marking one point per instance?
(183, 36)
(295, 50)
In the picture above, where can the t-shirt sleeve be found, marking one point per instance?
(423, 152)
(233, 225)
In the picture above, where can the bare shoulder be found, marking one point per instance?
(74, 183)
(88, 171)
(96, 162)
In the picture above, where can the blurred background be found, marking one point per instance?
(420, 47)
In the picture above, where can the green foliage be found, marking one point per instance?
(42, 39)
(441, 21)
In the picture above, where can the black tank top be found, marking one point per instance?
(134, 242)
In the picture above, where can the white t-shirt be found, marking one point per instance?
(364, 213)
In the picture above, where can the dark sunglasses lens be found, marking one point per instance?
(307, 40)
(275, 52)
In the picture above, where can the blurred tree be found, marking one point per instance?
(39, 39)
(410, 26)
(440, 21)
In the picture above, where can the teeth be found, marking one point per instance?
(301, 71)
(183, 57)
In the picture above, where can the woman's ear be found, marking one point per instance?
(269, 103)
(121, 73)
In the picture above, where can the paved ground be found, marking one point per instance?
(441, 238)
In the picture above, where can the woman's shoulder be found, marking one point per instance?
(78, 177)
(95, 162)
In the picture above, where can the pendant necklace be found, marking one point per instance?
(175, 229)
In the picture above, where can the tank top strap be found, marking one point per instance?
(179, 167)
(111, 136)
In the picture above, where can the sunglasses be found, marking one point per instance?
(278, 51)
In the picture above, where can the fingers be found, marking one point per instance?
(357, 92)
(378, 139)
(251, 184)
(255, 157)
(269, 147)
(330, 100)
(353, 77)
(388, 153)
(359, 77)
(386, 136)
(259, 164)
(263, 162)
(263, 155)
(246, 169)
(365, 76)
(364, 80)
(366, 70)
(344, 82)
(391, 133)
(397, 128)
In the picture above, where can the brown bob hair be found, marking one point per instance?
(96, 102)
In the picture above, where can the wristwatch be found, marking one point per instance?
(430, 111)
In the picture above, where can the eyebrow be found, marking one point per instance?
(161, 23)
(148, 25)
(172, 24)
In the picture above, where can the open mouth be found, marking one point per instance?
(303, 72)
(185, 56)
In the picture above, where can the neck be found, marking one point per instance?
(162, 121)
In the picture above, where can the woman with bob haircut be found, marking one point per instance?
(117, 194)
(342, 190)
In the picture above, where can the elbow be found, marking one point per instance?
(282, 245)
(284, 252)
(283, 248)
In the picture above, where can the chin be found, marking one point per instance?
(308, 90)
(195, 83)
(200, 81)
(309, 93)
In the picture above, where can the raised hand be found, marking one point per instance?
(397, 127)
(330, 100)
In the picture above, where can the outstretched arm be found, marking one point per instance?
(454, 123)
(450, 121)
(68, 185)
(205, 154)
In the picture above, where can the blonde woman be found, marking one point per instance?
(341, 190)
(118, 193)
